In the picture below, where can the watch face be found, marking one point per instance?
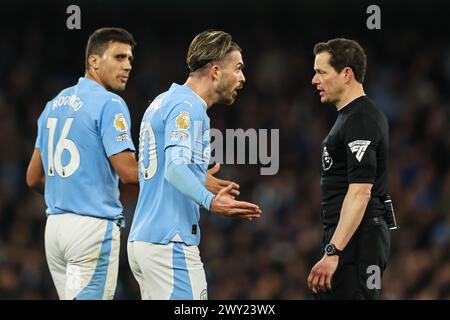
(330, 249)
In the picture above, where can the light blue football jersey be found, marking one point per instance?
(176, 117)
(77, 132)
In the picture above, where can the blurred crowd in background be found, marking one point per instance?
(408, 77)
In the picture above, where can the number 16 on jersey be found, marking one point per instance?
(55, 155)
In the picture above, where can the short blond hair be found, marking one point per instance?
(208, 46)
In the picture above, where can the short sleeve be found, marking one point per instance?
(38, 144)
(115, 127)
(180, 126)
(361, 137)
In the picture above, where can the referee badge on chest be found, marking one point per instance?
(327, 161)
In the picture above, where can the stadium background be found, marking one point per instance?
(408, 77)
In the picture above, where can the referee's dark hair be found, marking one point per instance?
(345, 53)
(98, 41)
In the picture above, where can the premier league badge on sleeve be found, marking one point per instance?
(183, 121)
(327, 161)
(120, 123)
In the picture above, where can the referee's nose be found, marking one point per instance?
(315, 80)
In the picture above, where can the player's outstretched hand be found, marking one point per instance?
(224, 204)
(214, 184)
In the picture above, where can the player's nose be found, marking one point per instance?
(128, 66)
(241, 79)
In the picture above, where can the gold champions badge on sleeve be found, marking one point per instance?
(120, 123)
(183, 121)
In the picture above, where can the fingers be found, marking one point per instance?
(230, 190)
(214, 169)
(225, 190)
(246, 205)
(318, 281)
(321, 283)
(311, 281)
(244, 214)
(247, 216)
(254, 212)
(226, 183)
(328, 282)
(245, 211)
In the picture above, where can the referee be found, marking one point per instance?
(356, 240)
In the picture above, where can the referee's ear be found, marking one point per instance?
(348, 74)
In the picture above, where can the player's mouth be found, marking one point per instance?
(123, 78)
(236, 90)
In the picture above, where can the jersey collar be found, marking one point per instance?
(189, 90)
(348, 105)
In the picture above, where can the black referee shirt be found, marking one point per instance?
(354, 151)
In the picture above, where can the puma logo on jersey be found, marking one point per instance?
(360, 147)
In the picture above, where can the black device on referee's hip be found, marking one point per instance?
(389, 214)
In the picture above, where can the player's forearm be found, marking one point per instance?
(178, 174)
(352, 212)
(125, 164)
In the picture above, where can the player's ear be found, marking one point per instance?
(214, 71)
(94, 61)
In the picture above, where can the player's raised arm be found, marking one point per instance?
(184, 180)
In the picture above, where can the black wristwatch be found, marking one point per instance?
(331, 250)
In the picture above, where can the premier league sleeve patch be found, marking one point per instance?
(120, 123)
(182, 125)
(183, 121)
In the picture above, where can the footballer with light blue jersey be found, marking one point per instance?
(174, 130)
(82, 148)
(77, 133)
(174, 147)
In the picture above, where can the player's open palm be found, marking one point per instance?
(225, 204)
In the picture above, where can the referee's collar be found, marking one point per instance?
(351, 102)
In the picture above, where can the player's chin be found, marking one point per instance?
(230, 102)
(120, 86)
(231, 98)
(227, 100)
